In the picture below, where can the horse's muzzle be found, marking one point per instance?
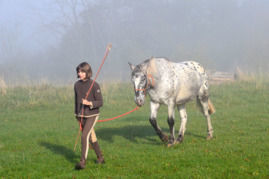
(139, 102)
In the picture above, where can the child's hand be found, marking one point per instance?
(86, 102)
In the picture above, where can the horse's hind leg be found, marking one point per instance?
(154, 109)
(203, 100)
(171, 122)
(183, 116)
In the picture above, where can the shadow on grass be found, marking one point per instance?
(194, 135)
(136, 134)
(133, 133)
(61, 150)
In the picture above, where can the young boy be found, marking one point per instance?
(87, 112)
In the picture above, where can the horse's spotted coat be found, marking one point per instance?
(174, 85)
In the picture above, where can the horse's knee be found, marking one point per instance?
(162, 136)
(153, 122)
(171, 123)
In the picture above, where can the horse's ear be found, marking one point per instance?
(131, 66)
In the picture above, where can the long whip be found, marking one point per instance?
(108, 48)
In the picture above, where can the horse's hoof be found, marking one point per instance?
(179, 139)
(169, 145)
(165, 138)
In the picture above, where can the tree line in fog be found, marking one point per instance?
(221, 35)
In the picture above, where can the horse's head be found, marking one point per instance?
(139, 80)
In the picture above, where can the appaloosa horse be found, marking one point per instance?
(172, 84)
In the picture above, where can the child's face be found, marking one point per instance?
(82, 75)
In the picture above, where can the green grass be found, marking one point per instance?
(38, 132)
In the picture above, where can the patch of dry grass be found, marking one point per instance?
(3, 86)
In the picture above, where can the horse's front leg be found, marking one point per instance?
(171, 122)
(183, 116)
(153, 116)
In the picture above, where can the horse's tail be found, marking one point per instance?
(211, 108)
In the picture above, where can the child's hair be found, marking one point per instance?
(85, 67)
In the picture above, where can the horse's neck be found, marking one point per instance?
(155, 68)
(162, 74)
(151, 67)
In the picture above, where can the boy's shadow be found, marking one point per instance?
(61, 150)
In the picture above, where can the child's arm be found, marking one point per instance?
(76, 103)
(98, 99)
(98, 102)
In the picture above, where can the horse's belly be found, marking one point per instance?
(159, 98)
(184, 95)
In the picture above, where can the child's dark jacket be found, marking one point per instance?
(81, 88)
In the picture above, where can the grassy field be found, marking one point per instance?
(38, 132)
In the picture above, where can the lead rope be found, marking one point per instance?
(124, 114)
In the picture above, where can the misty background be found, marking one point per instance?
(45, 40)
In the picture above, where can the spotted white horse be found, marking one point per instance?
(172, 84)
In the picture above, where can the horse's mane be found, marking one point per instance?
(149, 66)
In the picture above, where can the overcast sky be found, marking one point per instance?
(28, 18)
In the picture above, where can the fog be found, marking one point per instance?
(45, 41)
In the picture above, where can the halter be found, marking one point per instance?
(147, 85)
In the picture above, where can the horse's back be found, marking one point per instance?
(188, 77)
(179, 66)
(190, 72)
(193, 65)
(179, 80)
(191, 76)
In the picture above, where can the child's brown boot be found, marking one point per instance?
(81, 164)
(100, 158)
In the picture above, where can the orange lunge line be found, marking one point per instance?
(124, 114)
